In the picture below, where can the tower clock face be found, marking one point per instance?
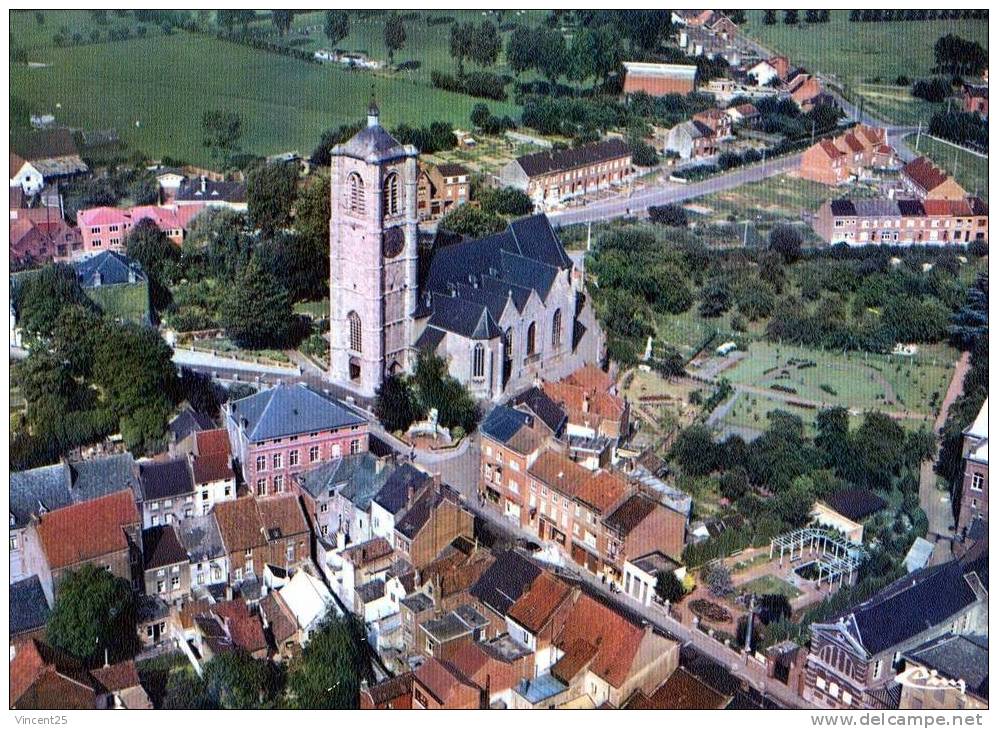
(393, 243)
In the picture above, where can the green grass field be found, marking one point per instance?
(970, 170)
(128, 302)
(770, 585)
(154, 91)
(862, 52)
(854, 380)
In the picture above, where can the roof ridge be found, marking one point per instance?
(270, 401)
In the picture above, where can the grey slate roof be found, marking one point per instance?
(484, 274)
(355, 477)
(856, 504)
(418, 602)
(505, 581)
(542, 163)
(287, 410)
(394, 494)
(110, 267)
(28, 608)
(957, 657)
(917, 602)
(213, 191)
(53, 487)
(371, 591)
(165, 479)
(371, 141)
(418, 514)
(188, 421)
(503, 422)
(161, 547)
(543, 407)
(201, 538)
(430, 339)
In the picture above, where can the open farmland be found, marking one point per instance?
(152, 93)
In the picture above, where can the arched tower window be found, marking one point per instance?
(508, 344)
(356, 343)
(531, 338)
(356, 193)
(391, 194)
(556, 330)
(478, 361)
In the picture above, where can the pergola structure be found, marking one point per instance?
(835, 556)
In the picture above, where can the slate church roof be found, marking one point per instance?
(373, 141)
(469, 284)
(28, 608)
(290, 410)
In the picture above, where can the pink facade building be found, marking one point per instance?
(289, 429)
(105, 228)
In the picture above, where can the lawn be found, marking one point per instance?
(970, 170)
(858, 381)
(776, 199)
(154, 91)
(770, 585)
(862, 52)
(897, 104)
(314, 309)
(224, 346)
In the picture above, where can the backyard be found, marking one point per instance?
(969, 169)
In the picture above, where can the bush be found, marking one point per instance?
(480, 84)
(935, 90)
(671, 214)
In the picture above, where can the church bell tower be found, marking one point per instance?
(373, 249)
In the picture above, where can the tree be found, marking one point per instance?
(669, 588)
(717, 578)
(221, 130)
(435, 388)
(158, 256)
(394, 35)
(236, 680)
(715, 298)
(790, 17)
(336, 26)
(755, 299)
(486, 44)
(695, 451)
(396, 405)
(786, 240)
(520, 49)
(93, 612)
(670, 214)
(769, 17)
(329, 139)
(42, 296)
(282, 20)
(257, 312)
(328, 673)
(270, 193)
(461, 41)
(507, 201)
(469, 220)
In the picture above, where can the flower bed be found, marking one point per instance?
(710, 611)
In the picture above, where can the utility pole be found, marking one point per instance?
(812, 132)
(918, 136)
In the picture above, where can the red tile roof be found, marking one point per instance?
(446, 683)
(244, 628)
(282, 516)
(212, 467)
(212, 442)
(602, 490)
(43, 677)
(559, 472)
(118, 676)
(923, 173)
(682, 691)
(239, 524)
(537, 605)
(88, 530)
(614, 640)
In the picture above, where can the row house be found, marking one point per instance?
(104, 532)
(539, 616)
(551, 178)
(278, 433)
(166, 568)
(211, 469)
(400, 491)
(640, 526)
(925, 180)
(847, 156)
(902, 222)
(972, 518)
(256, 532)
(433, 521)
(38, 491)
(165, 492)
(855, 657)
(337, 495)
(208, 560)
(440, 188)
(659, 79)
(105, 228)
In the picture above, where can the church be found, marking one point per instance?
(502, 310)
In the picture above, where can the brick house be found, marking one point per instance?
(440, 685)
(538, 616)
(691, 139)
(717, 121)
(927, 181)
(641, 525)
(659, 79)
(259, 531)
(430, 524)
(392, 693)
(280, 432)
(39, 235)
(167, 571)
(975, 99)
(105, 228)
(551, 178)
(972, 520)
(511, 442)
(807, 92)
(440, 188)
(902, 222)
(104, 532)
(597, 415)
(835, 161)
(855, 657)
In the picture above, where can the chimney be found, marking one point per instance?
(204, 183)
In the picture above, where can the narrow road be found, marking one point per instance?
(936, 504)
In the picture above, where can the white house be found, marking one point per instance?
(309, 600)
(763, 72)
(28, 177)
